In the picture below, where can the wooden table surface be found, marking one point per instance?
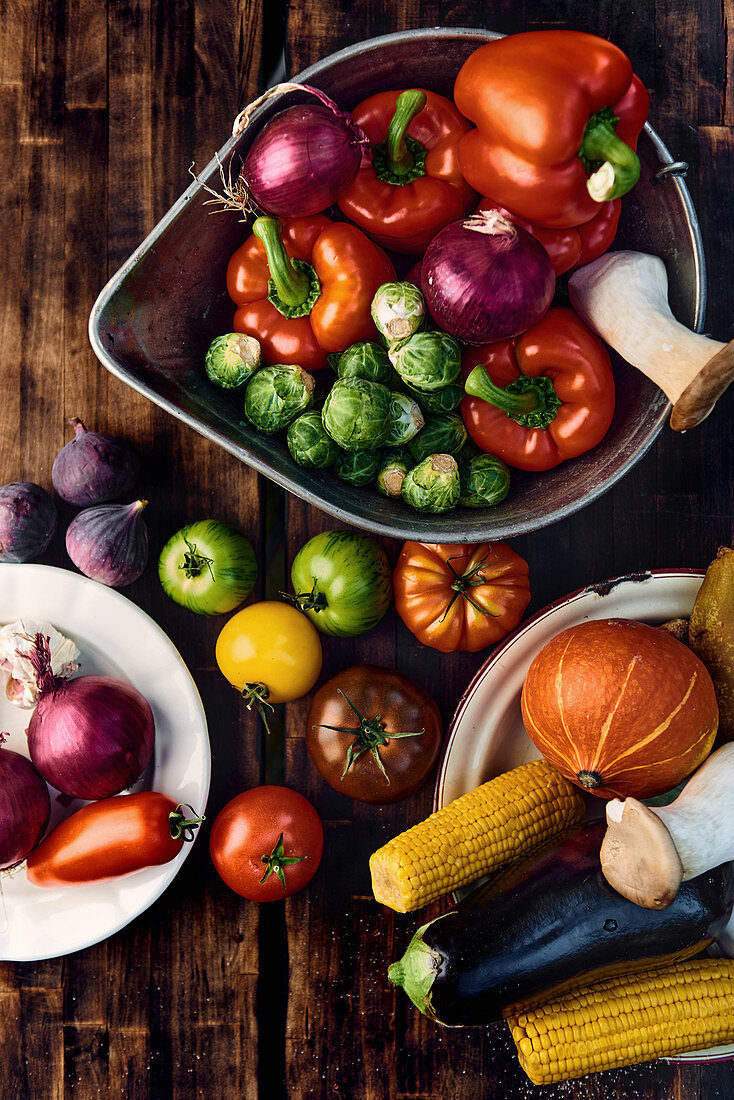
(103, 107)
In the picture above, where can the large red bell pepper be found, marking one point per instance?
(409, 184)
(546, 396)
(304, 288)
(558, 115)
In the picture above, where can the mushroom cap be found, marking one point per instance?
(700, 395)
(638, 857)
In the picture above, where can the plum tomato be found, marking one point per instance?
(373, 734)
(266, 843)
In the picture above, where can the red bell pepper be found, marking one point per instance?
(409, 184)
(304, 288)
(541, 398)
(575, 246)
(558, 115)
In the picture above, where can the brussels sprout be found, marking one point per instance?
(485, 480)
(406, 419)
(232, 359)
(364, 360)
(357, 467)
(398, 310)
(309, 442)
(444, 433)
(276, 395)
(394, 465)
(439, 401)
(356, 414)
(429, 360)
(467, 452)
(432, 485)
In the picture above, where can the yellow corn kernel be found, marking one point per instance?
(654, 1014)
(475, 834)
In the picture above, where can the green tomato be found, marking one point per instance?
(342, 580)
(208, 567)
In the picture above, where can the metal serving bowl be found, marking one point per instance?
(153, 321)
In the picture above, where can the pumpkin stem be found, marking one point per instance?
(589, 780)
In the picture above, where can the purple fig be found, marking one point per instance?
(27, 521)
(109, 543)
(93, 468)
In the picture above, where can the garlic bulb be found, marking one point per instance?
(16, 641)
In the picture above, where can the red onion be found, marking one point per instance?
(25, 807)
(486, 279)
(89, 737)
(302, 159)
(93, 468)
(27, 521)
(109, 543)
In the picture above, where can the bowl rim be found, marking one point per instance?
(397, 526)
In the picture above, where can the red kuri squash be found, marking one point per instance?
(620, 708)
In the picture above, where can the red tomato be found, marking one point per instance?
(110, 838)
(266, 843)
(373, 734)
(460, 597)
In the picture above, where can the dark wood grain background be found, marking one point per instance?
(103, 107)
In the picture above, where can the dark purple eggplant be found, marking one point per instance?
(109, 543)
(551, 921)
(27, 521)
(93, 468)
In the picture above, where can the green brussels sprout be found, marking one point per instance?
(394, 465)
(444, 433)
(467, 452)
(365, 360)
(276, 395)
(484, 480)
(356, 414)
(406, 419)
(432, 485)
(429, 361)
(439, 401)
(309, 442)
(357, 467)
(232, 359)
(398, 310)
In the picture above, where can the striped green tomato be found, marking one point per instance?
(342, 580)
(208, 567)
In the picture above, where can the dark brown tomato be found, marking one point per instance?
(373, 734)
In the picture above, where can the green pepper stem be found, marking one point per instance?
(617, 166)
(294, 285)
(400, 159)
(531, 401)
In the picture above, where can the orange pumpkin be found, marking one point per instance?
(620, 708)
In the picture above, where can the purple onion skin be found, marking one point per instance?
(481, 288)
(25, 808)
(301, 161)
(93, 468)
(109, 543)
(27, 521)
(91, 737)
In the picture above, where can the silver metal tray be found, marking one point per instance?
(153, 321)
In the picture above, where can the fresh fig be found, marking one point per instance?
(93, 468)
(109, 543)
(27, 521)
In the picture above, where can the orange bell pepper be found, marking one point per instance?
(304, 288)
(409, 184)
(545, 396)
(558, 115)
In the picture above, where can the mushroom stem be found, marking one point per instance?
(648, 851)
(623, 297)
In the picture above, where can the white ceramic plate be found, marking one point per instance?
(487, 737)
(115, 638)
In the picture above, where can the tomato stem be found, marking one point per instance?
(276, 860)
(193, 562)
(307, 601)
(461, 583)
(181, 827)
(256, 695)
(369, 735)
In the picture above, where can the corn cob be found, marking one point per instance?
(625, 1020)
(475, 834)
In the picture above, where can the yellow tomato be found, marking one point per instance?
(270, 643)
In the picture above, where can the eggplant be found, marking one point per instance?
(550, 922)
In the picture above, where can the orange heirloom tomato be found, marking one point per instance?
(460, 597)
